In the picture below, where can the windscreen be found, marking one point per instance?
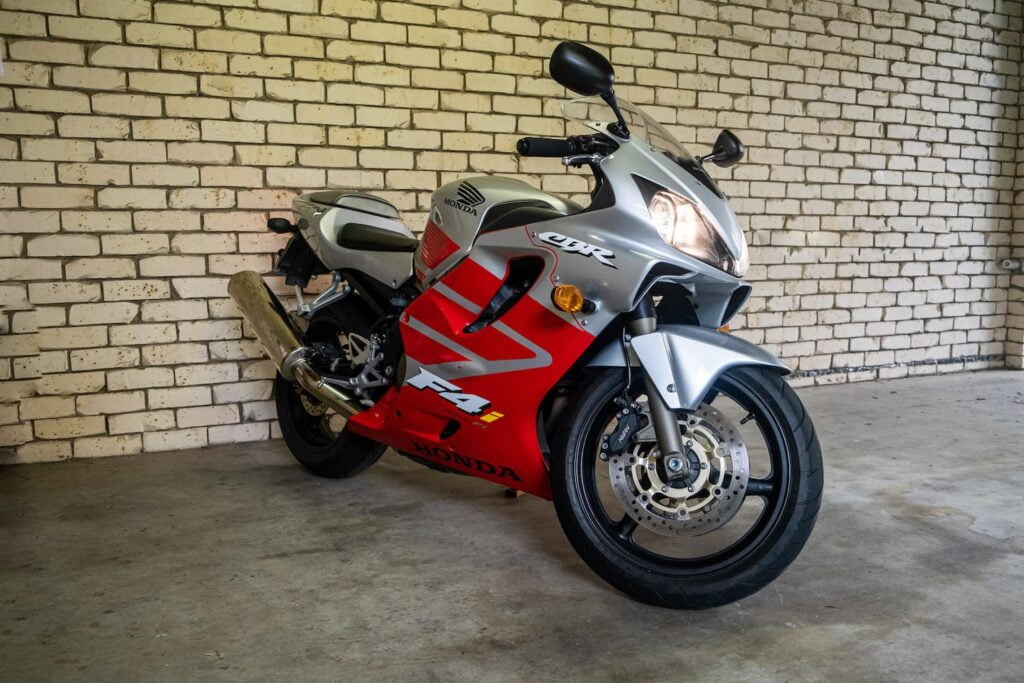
(589, 110)
(640, 125)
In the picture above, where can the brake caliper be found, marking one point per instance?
(628, 422)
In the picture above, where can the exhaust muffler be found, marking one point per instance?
(282, 342)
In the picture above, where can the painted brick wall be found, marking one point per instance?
(144, 145)
(1015, 306)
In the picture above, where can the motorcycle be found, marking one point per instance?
(576, 353)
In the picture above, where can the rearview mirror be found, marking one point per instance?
(581, 69)
(728, 150)
(586, 72)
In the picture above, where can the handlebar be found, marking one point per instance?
(546, 147)
(561, 147)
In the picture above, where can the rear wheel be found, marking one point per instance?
(699, 531)
(315, 434)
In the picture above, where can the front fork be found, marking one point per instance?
(666, 427)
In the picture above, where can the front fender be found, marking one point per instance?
(685, 360)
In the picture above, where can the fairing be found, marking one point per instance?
(475, 409)
(459, 209)
(511, 365)
(652, 152)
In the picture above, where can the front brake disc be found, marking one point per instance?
(708, 497)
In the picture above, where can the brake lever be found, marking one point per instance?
(581, 159)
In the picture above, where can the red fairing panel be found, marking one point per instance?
(470, 400)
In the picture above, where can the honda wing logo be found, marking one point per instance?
(470, 195)
(468, 198)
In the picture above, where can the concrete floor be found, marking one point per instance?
(234, 563)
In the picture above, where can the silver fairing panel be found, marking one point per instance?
(616, 282)
(460, 216)
(319, 219)
(607, 252)
(626, 229)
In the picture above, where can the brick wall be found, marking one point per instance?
(1015, 306)
(144, 145)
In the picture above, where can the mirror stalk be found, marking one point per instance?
(728, 151)
(619, 128)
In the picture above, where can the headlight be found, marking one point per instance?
(681, 224)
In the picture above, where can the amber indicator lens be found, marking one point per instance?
(569, 298)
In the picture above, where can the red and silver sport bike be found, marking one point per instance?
(567, 351)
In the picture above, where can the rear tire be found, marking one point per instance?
(749, 564)
(305, 422)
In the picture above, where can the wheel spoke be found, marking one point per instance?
(761, 487)
(624, 528)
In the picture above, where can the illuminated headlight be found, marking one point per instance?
(681, 224)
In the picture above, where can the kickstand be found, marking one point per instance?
(513, 493)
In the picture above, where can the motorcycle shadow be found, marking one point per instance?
(460, 509)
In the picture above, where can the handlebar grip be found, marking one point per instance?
(545, 147)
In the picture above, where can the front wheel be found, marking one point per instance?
(700, 531)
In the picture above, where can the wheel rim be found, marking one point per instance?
(312, 418)
(317, 424)
(622, 533)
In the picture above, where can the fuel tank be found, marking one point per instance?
(462, 209)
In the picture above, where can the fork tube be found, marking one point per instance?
(666, 428)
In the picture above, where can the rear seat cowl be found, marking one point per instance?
(369, 238)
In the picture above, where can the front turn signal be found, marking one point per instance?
(568, 298)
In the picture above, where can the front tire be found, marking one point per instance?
(606, 536)
(314, 434)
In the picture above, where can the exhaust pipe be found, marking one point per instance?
(268, 319)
